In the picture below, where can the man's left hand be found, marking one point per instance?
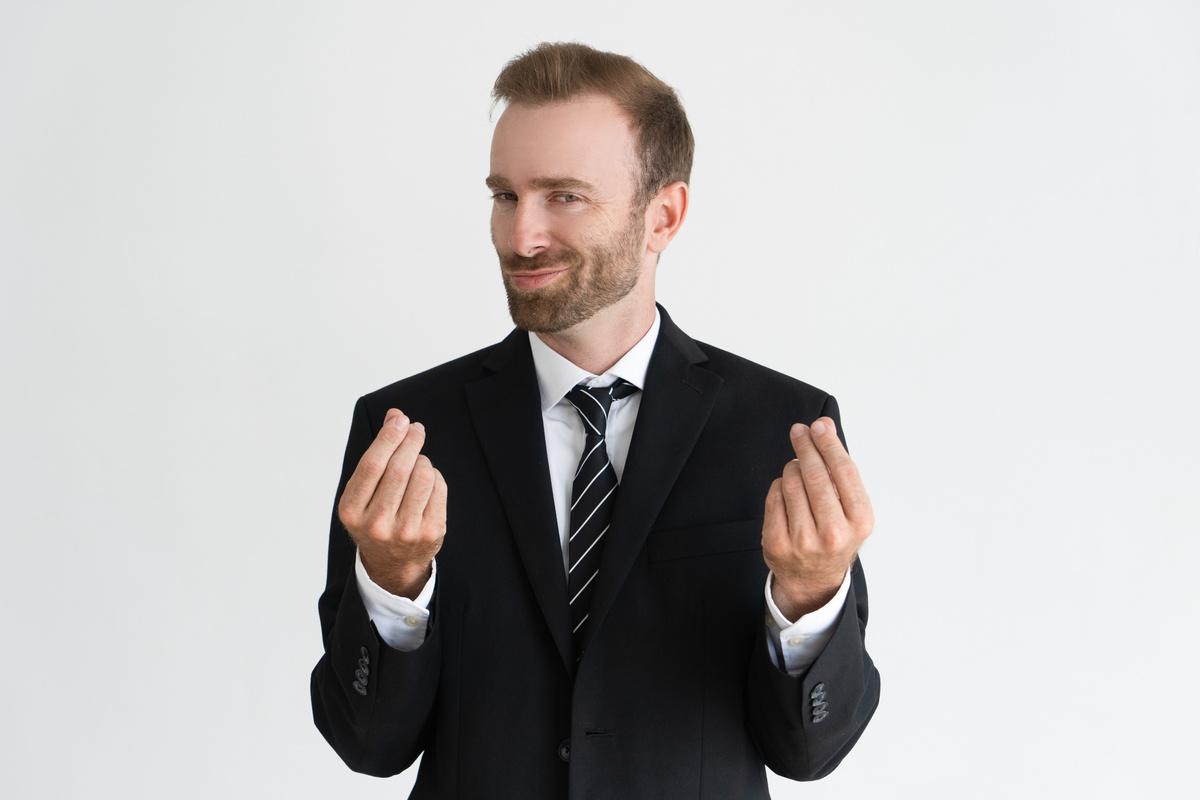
(817, 516)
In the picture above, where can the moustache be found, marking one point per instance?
(512, 262)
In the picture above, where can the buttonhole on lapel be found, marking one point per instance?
(695, 389)
(598, 733)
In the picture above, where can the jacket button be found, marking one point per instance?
(564, 750)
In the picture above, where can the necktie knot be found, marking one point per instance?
(593, 403)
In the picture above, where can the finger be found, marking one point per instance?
(822, 498)
(855, 503)
(775, 536)
(392, 484)
(435, 509)
(370, 468)
(801, 525)
(416, 496)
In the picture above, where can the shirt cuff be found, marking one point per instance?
(402, 623)
(799, 643)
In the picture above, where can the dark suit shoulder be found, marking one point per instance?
(444, 383)
(456, 372)
(761, 398)
(735, 369)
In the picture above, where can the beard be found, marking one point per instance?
(598, 275)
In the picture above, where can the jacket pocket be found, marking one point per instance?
(705, 540)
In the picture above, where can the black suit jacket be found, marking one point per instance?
(674, 694)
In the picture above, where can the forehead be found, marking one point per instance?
(586, 138)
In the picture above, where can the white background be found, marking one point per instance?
(977, 223)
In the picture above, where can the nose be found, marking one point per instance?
(529, 232)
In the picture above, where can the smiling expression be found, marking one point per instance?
(570, 240)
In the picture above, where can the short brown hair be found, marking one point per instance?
(555, 72)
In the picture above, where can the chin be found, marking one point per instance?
(543, 314)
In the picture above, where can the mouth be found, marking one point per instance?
(535, 279)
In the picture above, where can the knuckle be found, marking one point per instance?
(423, 477)
(371, 464)
(378, 530)
(388, 434)
(830, 538)
(793, 478)
(398, 469)
(408, 530)
(432, 533)
(814, 474)
(844, 470)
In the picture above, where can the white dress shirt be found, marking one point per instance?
(403, 623)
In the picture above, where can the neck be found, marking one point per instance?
(596, 344)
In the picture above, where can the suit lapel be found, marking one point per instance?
(506, 410)
(676, 402)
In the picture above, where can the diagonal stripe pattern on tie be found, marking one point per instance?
(593, 494)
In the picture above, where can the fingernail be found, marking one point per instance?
(401, 422)
(797, 431)
(818, 427)
(418, 427)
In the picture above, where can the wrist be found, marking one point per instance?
(796, 596)
(404, 580)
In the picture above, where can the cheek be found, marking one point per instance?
(588, 234)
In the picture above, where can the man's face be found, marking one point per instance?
(569, 239)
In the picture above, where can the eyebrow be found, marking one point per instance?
(499, 183)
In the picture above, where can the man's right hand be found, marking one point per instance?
(394, 507)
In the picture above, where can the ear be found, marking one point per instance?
(665, 215)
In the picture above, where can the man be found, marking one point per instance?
(555, 582)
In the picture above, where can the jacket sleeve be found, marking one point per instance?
(372, 703)
(805, 725)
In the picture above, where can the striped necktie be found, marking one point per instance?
(593, 494)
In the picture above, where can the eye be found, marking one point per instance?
(567, 197)
(504, 197)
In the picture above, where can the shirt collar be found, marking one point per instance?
(556, 375)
